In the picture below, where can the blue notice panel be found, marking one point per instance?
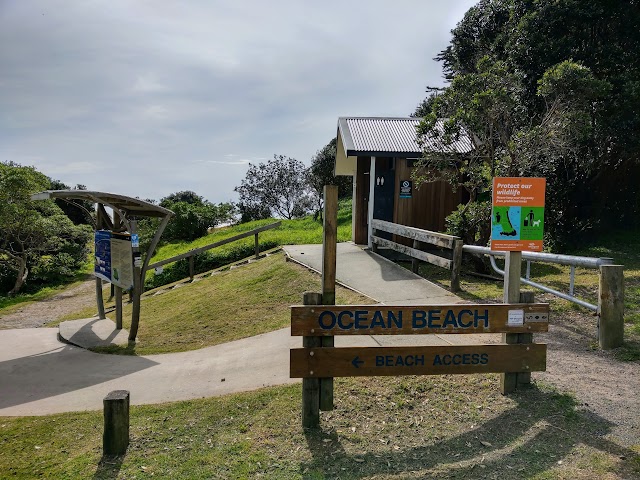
(102, 267)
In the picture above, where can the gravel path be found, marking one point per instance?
(603, 386)
(37, 314)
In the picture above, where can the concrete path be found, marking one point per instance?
(40, 375)
(374, 276)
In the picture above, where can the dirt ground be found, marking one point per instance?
(603, 386)
(38, 314)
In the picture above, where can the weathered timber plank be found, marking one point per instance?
(195, 251)
(328, 320)
(427, 236)
(431, 360)
(412, 252)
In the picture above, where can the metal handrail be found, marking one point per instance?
(571, 260)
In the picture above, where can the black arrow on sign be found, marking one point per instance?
(356, 362)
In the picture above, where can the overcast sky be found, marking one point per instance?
(146, 98)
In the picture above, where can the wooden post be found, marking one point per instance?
(374, 246)
(611, 307)
(115, 438)
(511, 294)
(311, 386)
(524, 378)
(415, 263)
(512, 273)
(99, 298)
(118, 308)
(257, 246)
(456, 265)
(191, 268)
(329, 255)
(137, 286)
(329, 244)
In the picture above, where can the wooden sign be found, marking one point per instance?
(386, 320)
(430, 360)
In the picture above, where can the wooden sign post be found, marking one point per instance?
(329, 254)
(516, 356)
(517, 225)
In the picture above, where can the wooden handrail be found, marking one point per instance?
(196, 251)
(422, 236)
(426, 236)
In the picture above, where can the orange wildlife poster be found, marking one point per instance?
(517, 216)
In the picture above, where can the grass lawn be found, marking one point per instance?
(233, 304)
(383, 428)
(291, 232)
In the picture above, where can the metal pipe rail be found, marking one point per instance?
(571, 260)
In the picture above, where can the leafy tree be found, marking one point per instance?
(36, 236)
(193, 216)
(279, 186)
(186, 196)
(483, 106)
(566, 105)
(321, 173)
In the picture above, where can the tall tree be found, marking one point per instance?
(36, 236)
(574, 109)
(279, 186)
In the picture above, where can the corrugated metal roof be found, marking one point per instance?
(377, 136)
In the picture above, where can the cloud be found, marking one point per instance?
(142, 90)
(228, 162)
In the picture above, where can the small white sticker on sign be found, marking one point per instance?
(516, 317)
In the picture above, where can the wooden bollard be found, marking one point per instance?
(115, 438)
(611, 307)
(311, 386)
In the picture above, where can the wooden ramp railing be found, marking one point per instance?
(419, 238)
(191, 253)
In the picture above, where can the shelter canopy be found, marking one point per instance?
(128, 205)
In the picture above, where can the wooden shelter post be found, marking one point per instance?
(99, 299)
(137, 285)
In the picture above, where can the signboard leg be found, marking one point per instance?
(311, 386)
(524, 378)
(99, 299)
(511, 294)
(118, 307)
(329, 252)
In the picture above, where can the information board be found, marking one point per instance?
(102, 268)
(517, 216)
(113, 258)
